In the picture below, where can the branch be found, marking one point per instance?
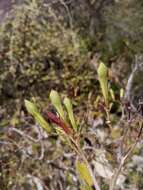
(124, 158)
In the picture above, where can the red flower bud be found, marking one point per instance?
(55, 119)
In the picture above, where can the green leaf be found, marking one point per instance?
(69, 108)
(102, 75)
(56, 101)
(32, 109)
(112, 94)
(85, 187)
(84, 173)
(121, 93)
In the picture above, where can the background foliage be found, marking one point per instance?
(46, 45)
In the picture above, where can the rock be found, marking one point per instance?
(137, 161)
(104, 169)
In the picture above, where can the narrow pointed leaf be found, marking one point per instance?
(84, 173)
(32, 109)
(86, 187)
(102, 75)
(112, 94)
(56, 101)
(69, 108)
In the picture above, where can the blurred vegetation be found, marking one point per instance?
(58, 45)
(39, 52)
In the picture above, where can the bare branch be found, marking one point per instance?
(124, 158)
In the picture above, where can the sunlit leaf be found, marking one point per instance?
(121, 93)
(86, 187)
(32, 109)
(112, 94)
(69, 108)
(56, 101)
(102, 75)
(84, 173)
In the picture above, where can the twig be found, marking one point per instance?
(5, 142)
(68, 13)
(124, 158)
(24, 135)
